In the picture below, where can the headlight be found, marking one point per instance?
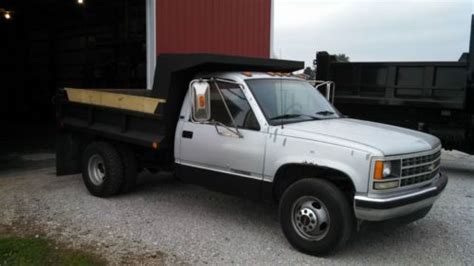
(386, 169)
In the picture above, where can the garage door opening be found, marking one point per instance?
(52, 44)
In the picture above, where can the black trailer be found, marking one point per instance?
(435, 97)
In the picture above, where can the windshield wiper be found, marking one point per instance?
(289, 116)
(325, 113)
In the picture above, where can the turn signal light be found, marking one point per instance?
(378, 172)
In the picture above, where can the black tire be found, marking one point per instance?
(112, 169)
(130, 168)
(341, 219)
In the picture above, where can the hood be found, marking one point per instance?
(389, 140)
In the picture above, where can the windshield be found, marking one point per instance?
(288, 101)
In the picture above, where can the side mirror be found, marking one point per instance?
(201, 97)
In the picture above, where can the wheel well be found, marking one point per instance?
(146, 158)
(290, 173)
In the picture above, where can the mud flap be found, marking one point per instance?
(68, 154)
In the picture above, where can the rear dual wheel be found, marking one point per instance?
(107, 171)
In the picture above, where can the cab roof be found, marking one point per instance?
(175, 68)
(240, 76)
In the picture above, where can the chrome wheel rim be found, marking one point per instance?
(310, 218)
(96, 169)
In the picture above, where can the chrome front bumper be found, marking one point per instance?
(379, 209)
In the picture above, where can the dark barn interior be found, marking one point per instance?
(51, 44)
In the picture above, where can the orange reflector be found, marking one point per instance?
(202, 101)
(247, 74)
(154, 145)
(378, 173)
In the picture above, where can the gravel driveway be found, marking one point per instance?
(181, 223)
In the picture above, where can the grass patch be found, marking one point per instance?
(37, 251)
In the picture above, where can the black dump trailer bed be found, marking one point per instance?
(143, 119)
(436, 97)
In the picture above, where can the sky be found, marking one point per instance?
(372, 30)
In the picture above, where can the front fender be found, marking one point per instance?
(354, 163)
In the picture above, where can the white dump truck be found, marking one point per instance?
(244, 126)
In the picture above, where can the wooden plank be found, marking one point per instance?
(114, 100)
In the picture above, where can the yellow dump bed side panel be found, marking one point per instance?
(114, 100)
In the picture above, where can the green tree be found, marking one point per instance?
(310, 72)
(342, 58)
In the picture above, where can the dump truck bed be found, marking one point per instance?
(410, 84)
(124, 115)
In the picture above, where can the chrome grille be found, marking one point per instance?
(421, 159)
(417, 179)
(420, 169)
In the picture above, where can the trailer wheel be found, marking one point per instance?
(130, 167)
(315, 216)
(102, 169)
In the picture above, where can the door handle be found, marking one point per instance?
(187, 134)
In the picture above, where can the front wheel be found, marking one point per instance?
(315, 216)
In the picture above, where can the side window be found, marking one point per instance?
(237, 103)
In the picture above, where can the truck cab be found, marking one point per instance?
(250, 133)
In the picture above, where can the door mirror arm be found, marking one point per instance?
(237, 132)
(330, 89)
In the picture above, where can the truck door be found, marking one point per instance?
(212, 154)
